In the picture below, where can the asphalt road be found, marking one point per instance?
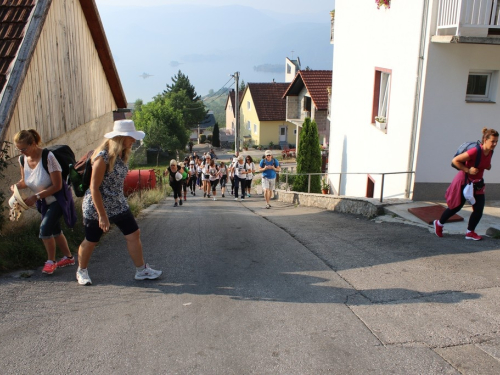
(247, 290)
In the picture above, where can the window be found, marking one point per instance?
(480, 86)
(294, 131)
(282, 131)
(248, 105)
(248, 125)
(381, 93)
(307, 104)
(255, 128)
(288, 68)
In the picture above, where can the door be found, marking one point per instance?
(283, 134)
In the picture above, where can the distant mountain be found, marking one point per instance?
(210, 43)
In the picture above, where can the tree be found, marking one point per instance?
(138, 104)
(215, 136)
(243, 85)
(163, 125)
(192, 112)
(181, 82)
(308, 158)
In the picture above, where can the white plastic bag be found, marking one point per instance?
(469, 193)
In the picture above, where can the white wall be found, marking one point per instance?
(366, 38)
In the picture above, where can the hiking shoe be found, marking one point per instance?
(180, 202)
(65, 261)
(473, 236)
(147, 273)
(438, 229)
(175, 204)
(49, 267)
(82, 275)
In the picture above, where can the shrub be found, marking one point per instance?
(203, 138)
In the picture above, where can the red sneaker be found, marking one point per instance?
(473, 236)
(49, 268)
(438, 229)
(65, 261)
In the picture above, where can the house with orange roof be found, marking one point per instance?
(230, 111)
(308, 96)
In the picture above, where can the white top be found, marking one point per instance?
(251, 167)
(192, 170)
(37, 179)
(240, 169)
(213, 172)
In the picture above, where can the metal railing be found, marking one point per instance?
(325, 176)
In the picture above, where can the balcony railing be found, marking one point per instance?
(467, 17)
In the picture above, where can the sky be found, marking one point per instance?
(151, 40)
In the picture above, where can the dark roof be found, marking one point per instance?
(21, 22)
(268, 100)
(232, 97)
(316, 83)
(208, 122)
(14, 16)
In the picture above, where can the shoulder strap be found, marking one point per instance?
(45, 155)
(478, 156)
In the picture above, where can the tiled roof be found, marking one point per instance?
(268, 100)
(232, 98)
(208, 121)
(14, 16)
(316, 83)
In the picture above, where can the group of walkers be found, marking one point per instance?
(205, 174)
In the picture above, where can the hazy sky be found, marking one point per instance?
(284, 6)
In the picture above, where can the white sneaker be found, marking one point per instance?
(235, 199)
(215, 199)
(82, 275)
(147, 273)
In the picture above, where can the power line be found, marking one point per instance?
(214, 99)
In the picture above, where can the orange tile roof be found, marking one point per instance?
(268, 100)
(14, 16)
(316, 83)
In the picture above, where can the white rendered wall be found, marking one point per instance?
(366, 38)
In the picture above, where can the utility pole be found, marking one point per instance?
(237, 113)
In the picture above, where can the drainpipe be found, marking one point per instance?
(418, 92)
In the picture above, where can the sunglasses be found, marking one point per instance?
(22, 149)
(268, 156)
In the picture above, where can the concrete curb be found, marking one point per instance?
(368, 207)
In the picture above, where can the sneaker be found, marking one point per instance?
(236, 198)
(208, 195)
(204, 195)
(249, 196)
(268, 206)
(242, 198)
(194, 193)
(215, 199)
(180, 202)
(175, 204)
(147, 273)
(49, 267)
(82, 275)
(65, 261)
(438, 229)
(223, 196)
(473, 236)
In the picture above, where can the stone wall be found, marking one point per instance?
(368, 207)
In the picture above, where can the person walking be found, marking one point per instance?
(104, 202)
(468, 173)
(192, 177)
(213, 171)
(268, 166)
(51, 196)
(251, 171)
(175, 181)
(231, 173)
(185, 176)
(206, 176)
(223, 170)
(239, 169)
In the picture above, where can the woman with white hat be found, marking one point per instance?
(104, 201)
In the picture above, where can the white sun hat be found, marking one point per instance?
(125, 128)
(178, 176)
(16, 197)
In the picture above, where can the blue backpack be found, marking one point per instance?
(466, 147)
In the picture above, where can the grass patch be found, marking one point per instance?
(145, 198)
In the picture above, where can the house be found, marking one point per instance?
(57, 75)
(291, 69)
(230, 110)
(430, 72)
(204, 127)
(308, 96)
(262, 115)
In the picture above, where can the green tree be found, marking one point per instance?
(243, 85)
(181, 82)
(138, 104)
(163, 125)
(215, 136)
(192, 112)
(308, 158)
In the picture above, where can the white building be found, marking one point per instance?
(431, 68)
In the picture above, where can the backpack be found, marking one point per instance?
(468, 146)
(64, 155)
(80, 174)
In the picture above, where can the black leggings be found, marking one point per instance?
(477, 211)
(192, 183)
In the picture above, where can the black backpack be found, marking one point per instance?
(64, 155)
(80, 174)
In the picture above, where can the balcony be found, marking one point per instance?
(468, 21)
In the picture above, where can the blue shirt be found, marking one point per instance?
(269, 173)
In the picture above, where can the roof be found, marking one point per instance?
(316, 83)
(268, 100)
(21, 22)
(231, 98)
(208, 122)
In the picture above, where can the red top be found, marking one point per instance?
(483, 164)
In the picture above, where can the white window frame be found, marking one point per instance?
(255, 128)
(491, 83)
(248, 105)
(249, 125)
(383, 101)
